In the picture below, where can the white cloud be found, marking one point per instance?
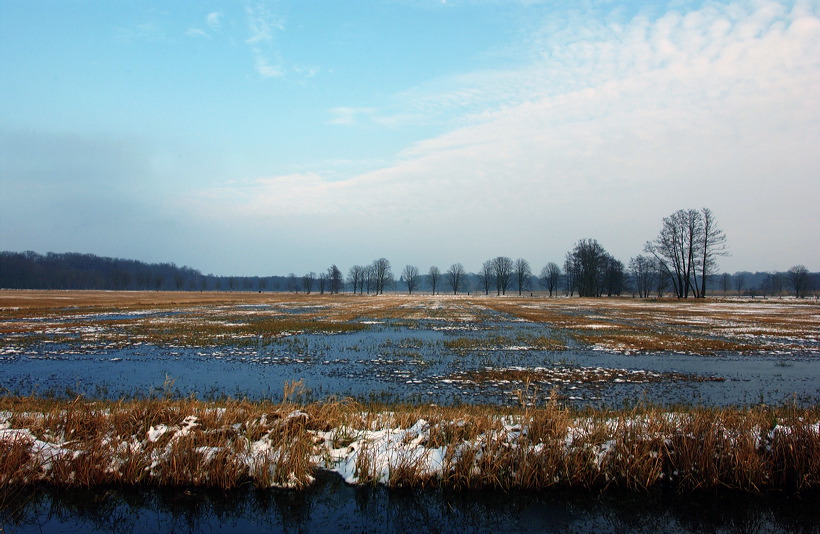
(262, 23)
(307, 71)
(196, 32)
(345, 116)
(214, 20)
(264, 67)
(609, 131)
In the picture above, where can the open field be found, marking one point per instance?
(513, 367)
(443, 348)
(618, 324)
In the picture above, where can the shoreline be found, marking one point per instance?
(192, 443)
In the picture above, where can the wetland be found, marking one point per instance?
(355, 404)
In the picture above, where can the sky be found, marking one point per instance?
(270, 137)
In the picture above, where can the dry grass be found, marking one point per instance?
(499, 342)
(574, 374)
(187, 319)
(205, 319)
(190, 442)
(696, 326)
(654, 341)
(194, 443)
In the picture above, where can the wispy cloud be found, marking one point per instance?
(575, 53)
(346, 116)
(262, 25)
(264, 66)
(214, 21)
(681, 110)
(197, 32)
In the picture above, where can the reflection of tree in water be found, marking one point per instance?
(332, 505)
(21, 506)
(732, 512)
(102, 509)
(290, 509)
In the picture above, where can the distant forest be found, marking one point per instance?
(30, 270)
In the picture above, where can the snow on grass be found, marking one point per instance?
(191, 443)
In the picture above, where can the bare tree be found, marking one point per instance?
(455, 277)
(307, 282)
(687, 246)
(293, 284)
(382, 275)
(571, 268)
(614, 277)
(773, 284)
(712, 243)
(411, 277)
(321, 282)
(675, 249)
(726, 283)
(503, 271)
(335, 279)
(486, 276)
(369, 278)
(589, 262)
(433, 276)
(550, 275)
(643, 274)
(740, 281)
(800, 280)
(661, 279)
(355, 276)
(523, 273)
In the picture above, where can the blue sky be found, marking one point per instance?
(266, 137)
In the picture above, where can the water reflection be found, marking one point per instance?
(332, 506)
(394, 362)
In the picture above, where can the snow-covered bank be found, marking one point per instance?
(193, 443)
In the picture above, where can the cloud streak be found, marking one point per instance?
(214, 20)
(702, 108)
(262, 27)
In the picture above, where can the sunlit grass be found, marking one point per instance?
(213, 318)
(501, 342)
(187, 442)
(691, 326)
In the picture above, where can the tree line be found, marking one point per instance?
(30, 270)
(681, 260)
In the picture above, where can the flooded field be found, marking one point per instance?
(444, 350)
(447, 350)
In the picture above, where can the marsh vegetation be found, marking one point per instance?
(513, 393)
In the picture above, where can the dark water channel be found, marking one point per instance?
(415, 362)
(332, 506)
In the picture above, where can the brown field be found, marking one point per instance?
(619, 324)
(189, 442)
